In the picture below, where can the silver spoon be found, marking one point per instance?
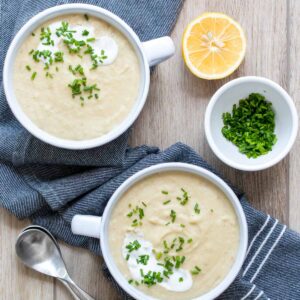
(54, 240)
(38, 249)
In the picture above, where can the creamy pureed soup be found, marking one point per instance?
(76, 77)
(174, 235)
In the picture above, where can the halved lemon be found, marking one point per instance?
(213, 45)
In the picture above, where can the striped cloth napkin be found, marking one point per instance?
(51, 185)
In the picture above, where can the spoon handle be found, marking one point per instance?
(69, 289)
(76, 291)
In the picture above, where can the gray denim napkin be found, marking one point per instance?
(51, 185)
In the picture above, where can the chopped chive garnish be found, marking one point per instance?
(132, 246)
(90, 39)
(251, 126)
(179, 260)
(180, 279)
(151, 278)
(165, 192)
(173, 215)
(166, 202)
(141, 213)
(31, 51)
(185, 197)
(165, 244)
(130, 281)
(182, 225)
(32, 33)
(144, 204)
(86, 17)
(71, 70)
(76, 86)
(166, 273)
(79, 69)
(96, 96)
(143, 259)
(181, 242)
(173, 243)
(49, 75)
(59, 56)
(197, 209)
(136, 211)
(33, 75)
(85, 32)
(134, 223)
(127, 256)
(45, 37)
(196, 270)
(28, 68)
(91, 88)
(45, 54)
(189, 240)
(65, 31)
(57, 69)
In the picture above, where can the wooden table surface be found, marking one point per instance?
(174, 112)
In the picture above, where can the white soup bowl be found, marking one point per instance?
(98, 227)
(149, 54)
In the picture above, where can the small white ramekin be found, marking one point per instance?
(98, 227)
(149, 53)
(286, 122)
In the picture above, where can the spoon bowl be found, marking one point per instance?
(37, 249)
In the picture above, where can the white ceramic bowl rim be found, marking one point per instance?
(216, 97)
(185, 168)
(52, 13)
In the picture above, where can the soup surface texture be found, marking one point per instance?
(174, 235)
(76, 77)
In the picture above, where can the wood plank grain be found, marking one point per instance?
(86, 270)
(18, 282)
(294, 80)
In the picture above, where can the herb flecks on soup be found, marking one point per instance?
(174, 235)
(71, 77)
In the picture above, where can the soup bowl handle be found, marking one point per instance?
(158, 50)
(86, 225)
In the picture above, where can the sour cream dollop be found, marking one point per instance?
(100, 44)
(171, 284)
